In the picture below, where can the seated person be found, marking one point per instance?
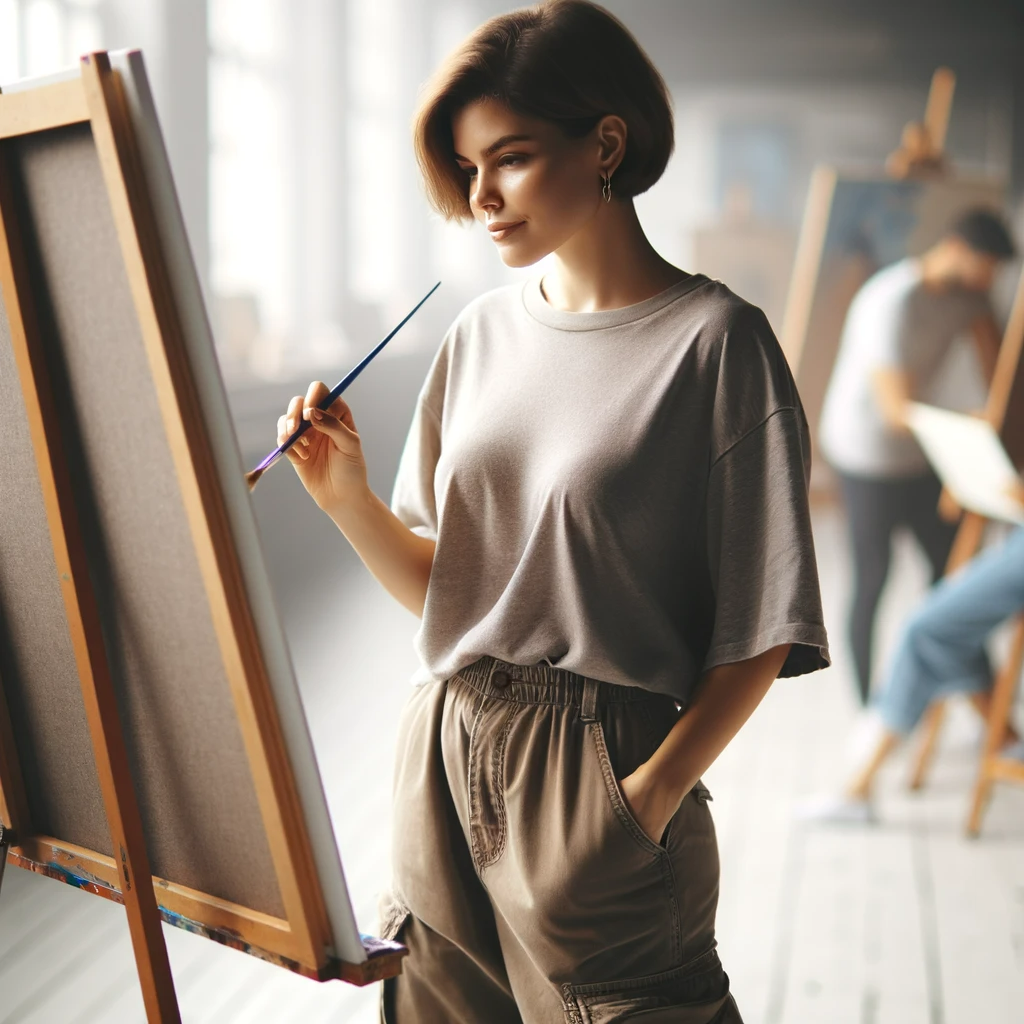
(941, 651)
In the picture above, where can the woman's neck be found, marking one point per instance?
(608, 264)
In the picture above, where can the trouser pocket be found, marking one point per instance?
(697, 992)
(618, 800)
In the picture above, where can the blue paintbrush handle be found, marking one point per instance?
(338, 388)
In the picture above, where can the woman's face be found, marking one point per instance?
(530, 185)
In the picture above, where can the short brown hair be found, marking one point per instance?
(565, 61)
(985, 232)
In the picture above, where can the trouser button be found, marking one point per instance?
(500, 679)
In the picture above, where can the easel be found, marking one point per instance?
(301, 938)
(921, 150)
(1005, 395)
(856, 221)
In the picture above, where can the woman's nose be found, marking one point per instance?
(485, 194)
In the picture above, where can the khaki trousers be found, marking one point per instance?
(523, 887)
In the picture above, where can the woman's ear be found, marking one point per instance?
(611, 139)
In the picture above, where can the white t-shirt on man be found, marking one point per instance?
(894, 322)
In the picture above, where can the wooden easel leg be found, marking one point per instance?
(979, 801)
(998, 718)
(940, 103)
(931, 729)
(967, 543)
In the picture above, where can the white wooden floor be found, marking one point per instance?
(902, 923)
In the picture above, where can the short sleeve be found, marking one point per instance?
(412, 498)
(760, 547)
(888, 333)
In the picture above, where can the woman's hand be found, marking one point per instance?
(651, 802)
(329, 458)
(725, 699)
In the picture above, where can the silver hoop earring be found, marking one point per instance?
(606, 188)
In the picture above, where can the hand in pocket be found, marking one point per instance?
(651, 803)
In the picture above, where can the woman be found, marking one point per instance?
(601, 515)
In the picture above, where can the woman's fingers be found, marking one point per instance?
(340, 409)
(315, 394)
(289, 422)
(341, 434)
(287, 425)
(337, 424)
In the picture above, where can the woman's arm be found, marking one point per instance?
(892, 392)
(726, 698)
(398, 558)
(329, 461)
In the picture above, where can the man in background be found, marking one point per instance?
(898, 331)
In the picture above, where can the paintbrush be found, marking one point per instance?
(253, 477)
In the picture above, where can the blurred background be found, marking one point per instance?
(287, 125)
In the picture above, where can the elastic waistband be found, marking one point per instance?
(545, 684)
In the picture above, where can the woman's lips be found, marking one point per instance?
(499, 232)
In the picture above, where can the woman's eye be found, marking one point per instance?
(470, 172)
(510, 160)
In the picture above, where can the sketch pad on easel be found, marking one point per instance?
(969, 459)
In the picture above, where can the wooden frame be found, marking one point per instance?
(302, 939)
(811, 245)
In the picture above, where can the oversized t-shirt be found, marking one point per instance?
(894, 322)
(620, 493)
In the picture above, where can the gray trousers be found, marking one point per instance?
(523, 886)
(875, 507)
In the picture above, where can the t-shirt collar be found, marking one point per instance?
(539, 308)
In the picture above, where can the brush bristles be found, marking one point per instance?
(253, 478)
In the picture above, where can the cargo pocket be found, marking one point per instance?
(695, 993)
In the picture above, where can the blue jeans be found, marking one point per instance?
(942, 649)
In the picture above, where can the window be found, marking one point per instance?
(251, 242)
(39, 37)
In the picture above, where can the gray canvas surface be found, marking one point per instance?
(37, 662)
(196, 794)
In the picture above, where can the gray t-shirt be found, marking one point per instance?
(893, 322)
(619, 493)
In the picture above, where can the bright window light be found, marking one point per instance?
(44, 37)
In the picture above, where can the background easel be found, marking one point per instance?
(105, 718)
(854, 223)
(922, 148)
(1004, 411)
